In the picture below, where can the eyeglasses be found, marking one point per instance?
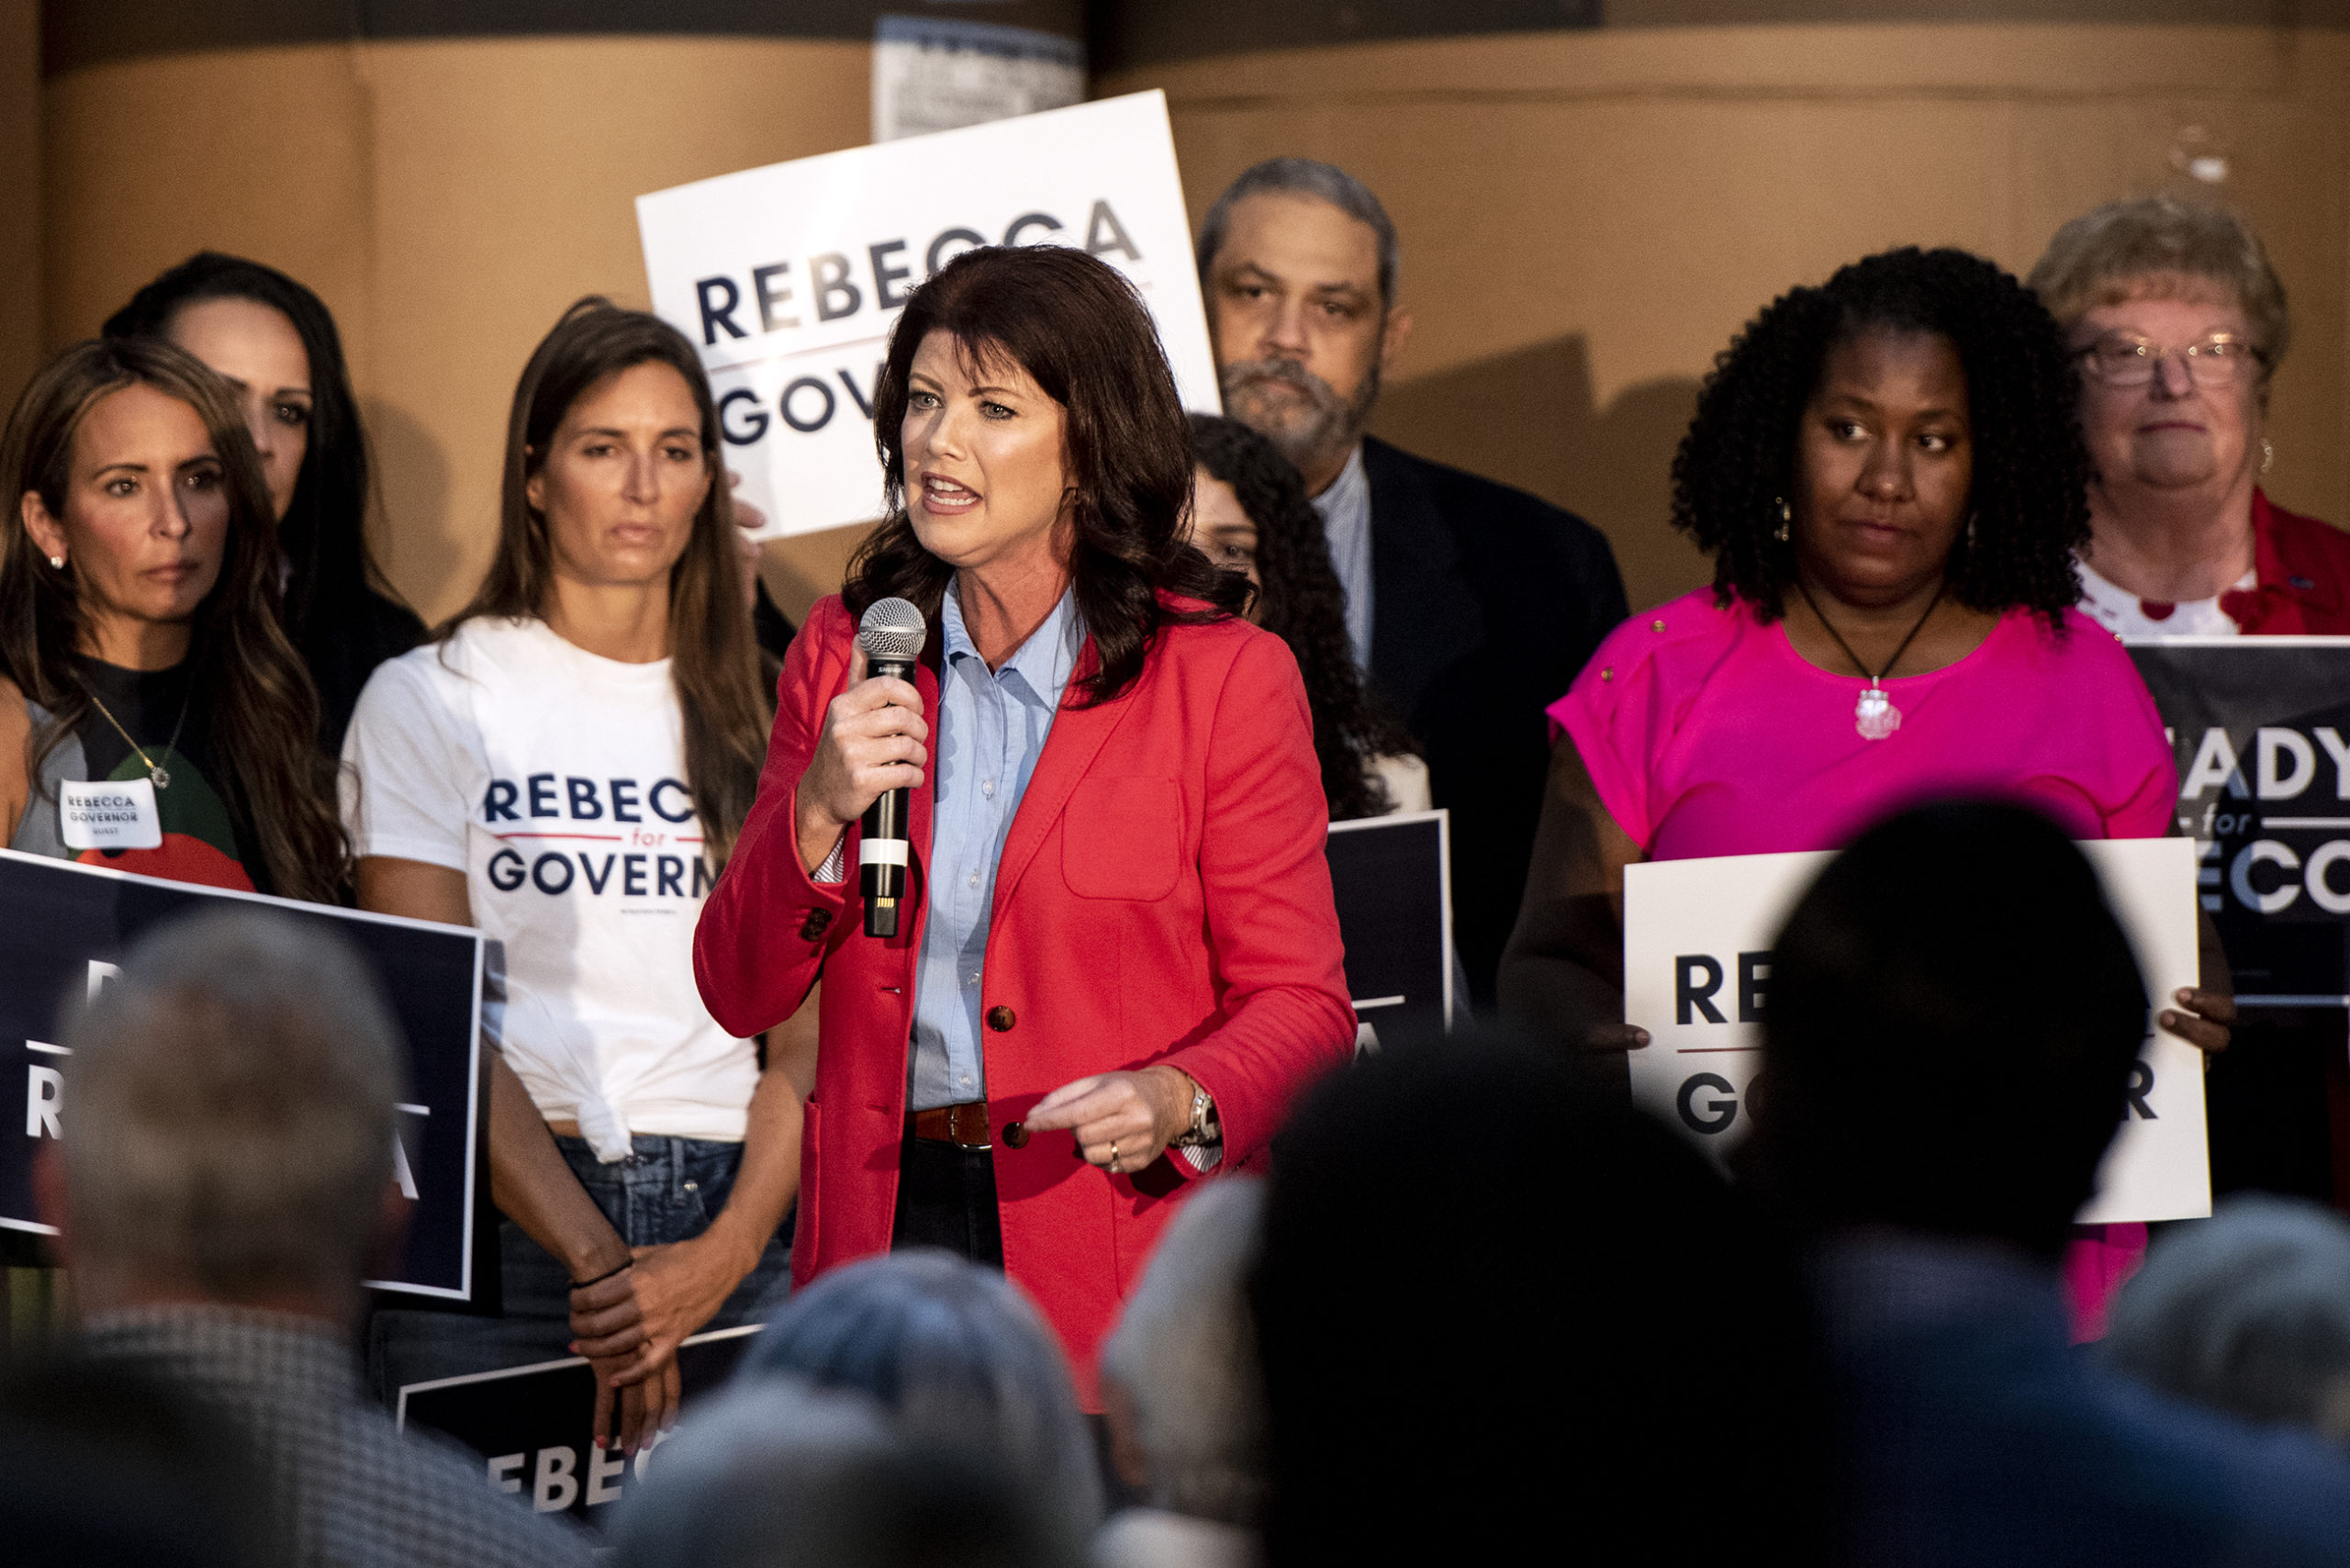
(2118, 360)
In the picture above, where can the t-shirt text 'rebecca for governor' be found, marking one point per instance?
(556, 781)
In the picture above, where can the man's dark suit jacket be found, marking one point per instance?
(1485, 604)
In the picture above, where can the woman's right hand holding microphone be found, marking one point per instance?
(874, 741)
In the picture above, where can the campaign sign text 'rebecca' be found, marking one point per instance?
(789, 278)
(534, 1426)
(1697, 937)
(68, 927)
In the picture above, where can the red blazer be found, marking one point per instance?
(1163, 897)
(2303, 576)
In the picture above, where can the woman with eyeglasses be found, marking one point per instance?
(2177, 322)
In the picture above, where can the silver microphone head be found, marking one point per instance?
(892, 629)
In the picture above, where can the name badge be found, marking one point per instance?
(114, 813)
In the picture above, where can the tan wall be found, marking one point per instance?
(448, 199)
(1588, 216)
(20, 291)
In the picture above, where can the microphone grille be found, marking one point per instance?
(892, 629)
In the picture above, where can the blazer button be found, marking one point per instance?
(1000, 1018)
(814, 925)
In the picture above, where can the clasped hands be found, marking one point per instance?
(629, 1323)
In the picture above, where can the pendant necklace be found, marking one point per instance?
(1873, 715)
(155, 771)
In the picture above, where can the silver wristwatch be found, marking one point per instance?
(1203, 1128)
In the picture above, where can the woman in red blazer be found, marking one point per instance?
(1118, 960)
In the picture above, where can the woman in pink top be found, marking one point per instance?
(1888, 474)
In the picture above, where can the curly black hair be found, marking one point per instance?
(2029, 495)
(1302, 603)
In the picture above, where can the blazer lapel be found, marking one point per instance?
(1423, 615)
(1077, 738)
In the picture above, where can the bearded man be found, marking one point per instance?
(1469, 605)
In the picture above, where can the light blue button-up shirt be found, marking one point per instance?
(985, 739)
(1345, 510)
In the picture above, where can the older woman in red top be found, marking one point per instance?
(2178, 322)
(1119, 959)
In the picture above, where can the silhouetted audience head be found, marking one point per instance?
(1179, 1373)
(958, 1356)
(772, 1474)
(2248, 1311)
(1496, 1307)
(1954, 1014)
(232, 1098)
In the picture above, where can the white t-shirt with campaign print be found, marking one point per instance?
(554, 780)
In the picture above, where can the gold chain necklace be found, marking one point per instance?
(155, 771)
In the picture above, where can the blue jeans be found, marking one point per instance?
(667, 1190)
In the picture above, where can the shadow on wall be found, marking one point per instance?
(432, 572)
(1530, 419)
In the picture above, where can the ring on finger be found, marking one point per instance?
(1113, 1154)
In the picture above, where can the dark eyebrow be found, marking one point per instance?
(105, 468)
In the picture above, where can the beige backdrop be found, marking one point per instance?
(1586, 216)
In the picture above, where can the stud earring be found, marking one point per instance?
(1786, 518)
(57, 561)
(2267, 455)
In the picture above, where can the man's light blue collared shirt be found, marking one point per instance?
(1345, 510)
(988, 731)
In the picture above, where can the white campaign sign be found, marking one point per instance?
(789, 278)
(1696, 971)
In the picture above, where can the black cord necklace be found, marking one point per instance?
(1873, 715)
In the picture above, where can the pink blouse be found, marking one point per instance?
(1706, 733)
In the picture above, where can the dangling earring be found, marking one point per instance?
(2267, 455)
(57, 561)
(1787, 517)
(1970, 531)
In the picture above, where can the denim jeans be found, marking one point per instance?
(667, 1190)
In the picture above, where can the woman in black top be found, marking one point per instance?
(275, 344)
(139, 633)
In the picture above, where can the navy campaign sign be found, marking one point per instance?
(1392, 877)
(534, 1425)
(2260, 727)
(66, 928)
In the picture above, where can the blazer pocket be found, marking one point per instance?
(1121, 838)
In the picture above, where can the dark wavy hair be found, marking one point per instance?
(1080, 331)
(1302, 604)
(2030, 493)
(266, 711)
(714, 656)
(324, 530)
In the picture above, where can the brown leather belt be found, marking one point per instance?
(964, 1125)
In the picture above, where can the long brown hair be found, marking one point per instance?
(1080, 331)
(713, 658)
(265, 711)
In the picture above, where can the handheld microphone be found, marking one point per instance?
(891, 634)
